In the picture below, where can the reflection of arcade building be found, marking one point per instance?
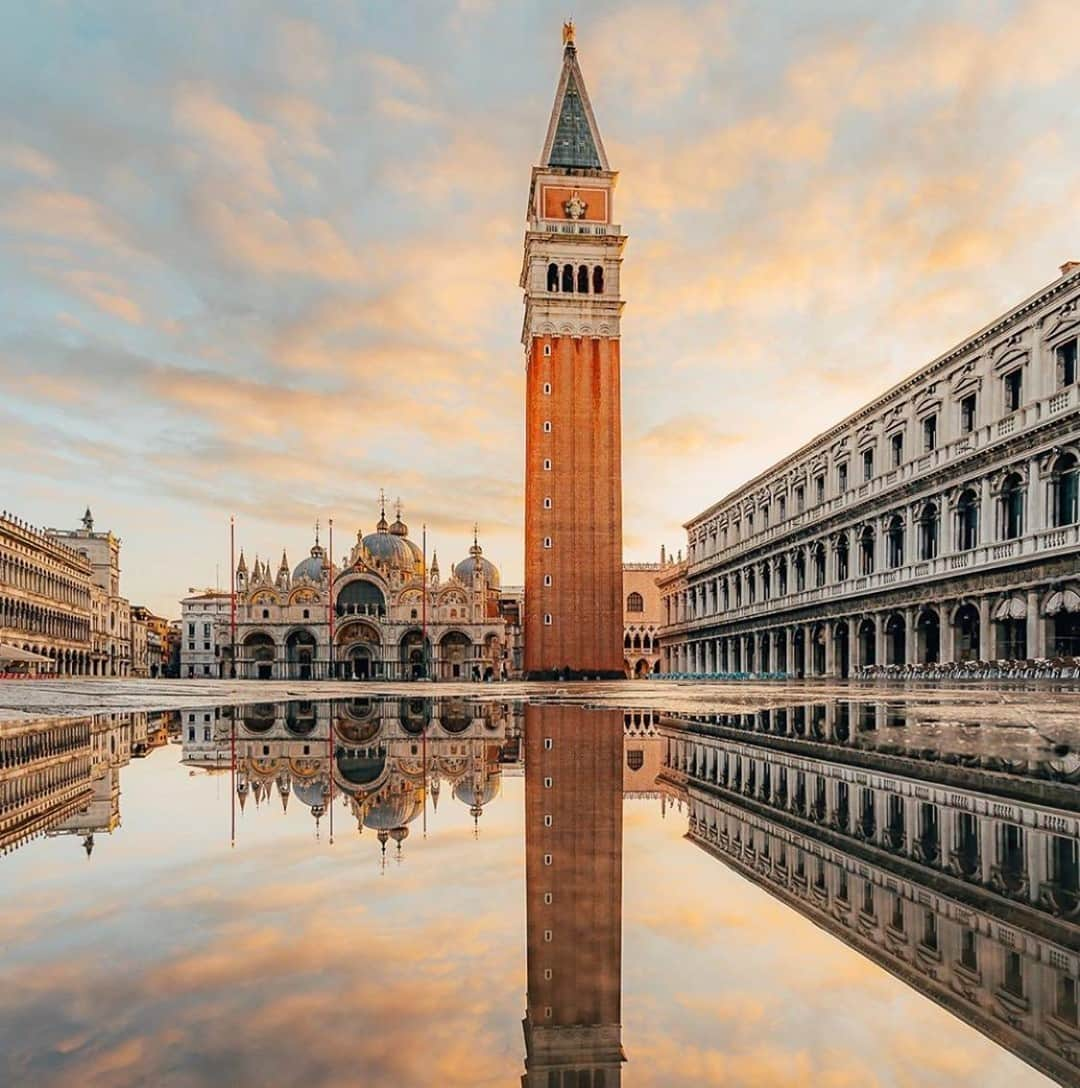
(390, 758)
(283, 628)
(62, 777)
(960, 879)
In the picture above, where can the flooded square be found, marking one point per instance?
(738, 889)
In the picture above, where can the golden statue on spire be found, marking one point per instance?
(568, 32)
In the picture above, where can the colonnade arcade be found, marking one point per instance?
(363, 651)
(1010, 625)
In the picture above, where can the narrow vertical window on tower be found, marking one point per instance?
(547, 426)
(547, 502)
(553, 277)
(598, 280)
(568, 278)
(547, 389)
(583, 280)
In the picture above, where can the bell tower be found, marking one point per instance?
(573, 454)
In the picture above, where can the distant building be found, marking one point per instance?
(937, 523)
(643, 616)
(204, 620)
(111, 613)
(156, 638)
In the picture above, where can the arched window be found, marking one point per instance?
(967, 521)
(598, 280)
(553, 277)
(842, 558)
(1063, 487)
(637, 642)
(896, 542)
(751, 586)
(800, 572)
(928, 531)
(568, 278)
(626, 641)
(726, 586)
(1012, 507)
(766, 581)
(583, 280)
(635, 603)
(819, 564)
(646, 642)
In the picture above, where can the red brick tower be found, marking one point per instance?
(573, 460)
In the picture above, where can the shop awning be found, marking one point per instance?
(1062, 600)
(11, 654)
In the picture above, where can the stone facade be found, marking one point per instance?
(573, 460)
(111, 632)
(936, 524)
(204, 629)
(384, 617)
(45, 605)
(643, 616)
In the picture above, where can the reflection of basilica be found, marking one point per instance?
(573, 874)
(62, 776)
(391, 618)
(958, 875)
(383, 761)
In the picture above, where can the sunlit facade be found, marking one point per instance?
(939, 523)
(390, 618)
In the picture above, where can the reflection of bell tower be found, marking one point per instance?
(573, 460)
(573, 880)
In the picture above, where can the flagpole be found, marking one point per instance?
(232, 594)
(423, 597)
(330, 600)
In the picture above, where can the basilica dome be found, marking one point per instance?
(396, 810)
(397, 552)
(390, 544)
(312, 567)
(466, 792)
(312, 793)
(464, 570)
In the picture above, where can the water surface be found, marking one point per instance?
(453, 892)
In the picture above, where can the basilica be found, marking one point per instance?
(382, 613)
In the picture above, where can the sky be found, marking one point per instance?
(262, 258)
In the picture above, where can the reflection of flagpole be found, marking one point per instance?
(423, 763)
(330, 601)
(232, 763)
(330, 745)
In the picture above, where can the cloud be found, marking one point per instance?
(685, 435)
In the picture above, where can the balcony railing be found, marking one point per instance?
(979, 439)
(985, 555)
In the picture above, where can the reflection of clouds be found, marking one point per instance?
(755, 995)
(332, 988)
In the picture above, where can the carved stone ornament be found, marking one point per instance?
(575, 207)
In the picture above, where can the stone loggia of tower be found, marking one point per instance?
(573, 460)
